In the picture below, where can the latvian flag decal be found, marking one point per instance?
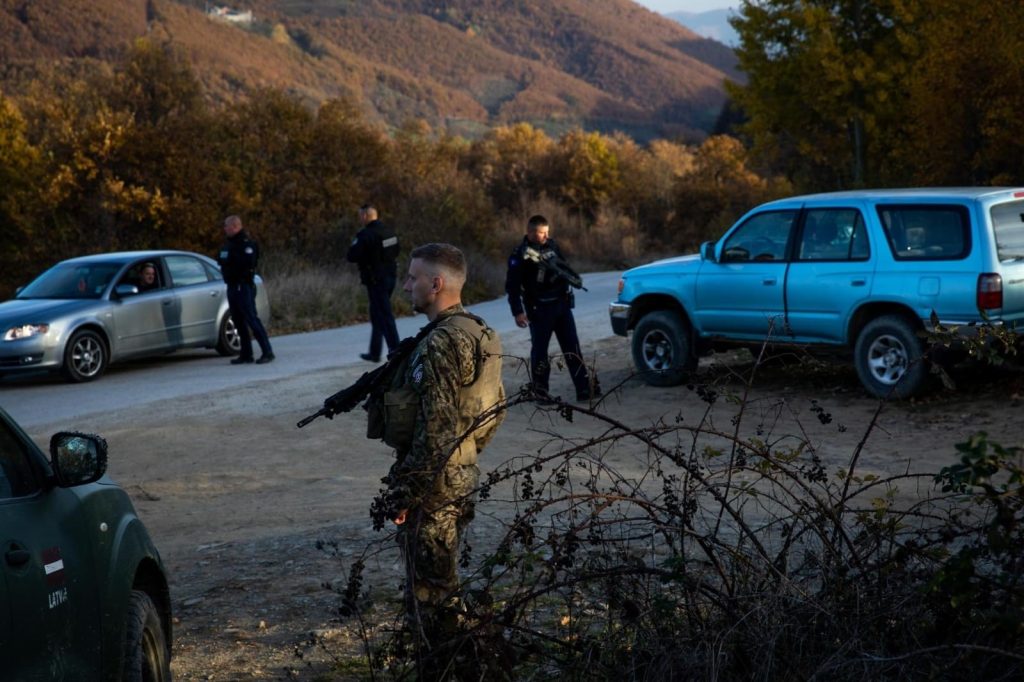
(54, 567)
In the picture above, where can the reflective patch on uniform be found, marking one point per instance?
(354, 241)
(417, 375)
(223, 255)
(248, 250)
(390, 241)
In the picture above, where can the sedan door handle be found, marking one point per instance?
(214, 294)
(168, 301)
(18, 557)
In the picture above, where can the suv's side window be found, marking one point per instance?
(927, 232)
(16, 476)
(1008, 226)
(763, 237)
(833, 234)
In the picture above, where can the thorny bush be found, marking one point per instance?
(693, 550)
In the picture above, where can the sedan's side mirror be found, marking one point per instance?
(77, 458)
(123, 290)
(707, 251)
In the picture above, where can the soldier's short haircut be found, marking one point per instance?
(537, 221)
(446, 258)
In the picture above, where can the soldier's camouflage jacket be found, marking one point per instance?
(453, 377)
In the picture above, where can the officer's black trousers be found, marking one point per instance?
(555, 317)
(242, 302)
(382, 319)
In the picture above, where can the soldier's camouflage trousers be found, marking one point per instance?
(430, 539)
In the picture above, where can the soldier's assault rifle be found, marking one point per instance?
(550, 261)
(347, 399)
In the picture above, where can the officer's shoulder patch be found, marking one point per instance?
(513, 261)
(417, 374)
(355, 240)
(248, 249)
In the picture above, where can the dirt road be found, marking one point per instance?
(238, 499)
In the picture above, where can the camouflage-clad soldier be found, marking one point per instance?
(438, 418)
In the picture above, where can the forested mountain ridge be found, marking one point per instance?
(463, 65)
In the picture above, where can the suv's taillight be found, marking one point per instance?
(990, 291)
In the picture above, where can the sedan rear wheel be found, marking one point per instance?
(85, 357)
(228, 342)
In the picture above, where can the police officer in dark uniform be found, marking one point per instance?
(541, 299)
(375, 251)
(238, 258)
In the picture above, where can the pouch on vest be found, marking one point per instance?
(375, 416)
(400, 408)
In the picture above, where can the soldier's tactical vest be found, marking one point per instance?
(401, 403)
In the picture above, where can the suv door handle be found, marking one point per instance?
(17, 556)
(858, 282)
(769, 281)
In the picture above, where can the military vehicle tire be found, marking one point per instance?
(146, 655)
(663, 349)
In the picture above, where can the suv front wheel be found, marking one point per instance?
(889, 358)
(663, 349)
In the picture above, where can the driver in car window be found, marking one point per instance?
(147, 278)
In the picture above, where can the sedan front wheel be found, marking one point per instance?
(85, 357)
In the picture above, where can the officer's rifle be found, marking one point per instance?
(550, 261)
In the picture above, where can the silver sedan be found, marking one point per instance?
(84, 313)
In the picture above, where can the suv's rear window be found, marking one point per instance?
(927, 232)
(1008, 226)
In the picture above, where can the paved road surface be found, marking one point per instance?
(44, 399)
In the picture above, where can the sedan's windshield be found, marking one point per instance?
(72, 280)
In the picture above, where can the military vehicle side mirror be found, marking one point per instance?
(77, 458)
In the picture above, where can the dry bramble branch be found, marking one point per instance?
(682, 549)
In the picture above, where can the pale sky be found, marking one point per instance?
(665, 6)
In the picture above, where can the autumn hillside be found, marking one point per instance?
(464, 64)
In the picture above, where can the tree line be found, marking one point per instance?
(132, 156)
(865, 93)
(840, 94)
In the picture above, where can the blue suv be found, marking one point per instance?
(861, 271)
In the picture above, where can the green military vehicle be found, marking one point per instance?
(83, 595)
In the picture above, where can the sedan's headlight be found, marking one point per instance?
(25, 331)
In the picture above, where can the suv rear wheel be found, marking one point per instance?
(889, 358)
(662, 349)
(145, 657)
